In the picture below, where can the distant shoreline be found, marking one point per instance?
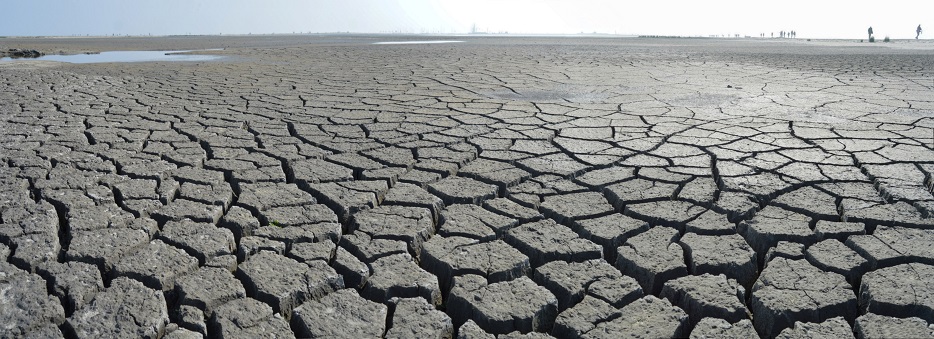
(70, 45)
(513, 35)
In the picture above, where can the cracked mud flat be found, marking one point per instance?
(530, 187)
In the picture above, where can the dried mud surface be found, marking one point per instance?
(513, 187)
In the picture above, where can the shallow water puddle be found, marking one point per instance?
(121, 56)
(416, 42)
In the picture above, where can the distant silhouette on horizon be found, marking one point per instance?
(870, 32)
(918, 32)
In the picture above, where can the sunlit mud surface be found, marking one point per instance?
(597, 188)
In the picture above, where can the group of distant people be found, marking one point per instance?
(783, 34)
(793, 34)
(917, 32)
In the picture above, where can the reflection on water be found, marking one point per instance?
(122, 56)
(416, 42)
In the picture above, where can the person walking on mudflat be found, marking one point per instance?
(870, 32)
(918, 32)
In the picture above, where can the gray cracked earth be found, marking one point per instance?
(516, 188)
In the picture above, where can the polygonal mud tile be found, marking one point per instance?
(833, 256)
(460, 190)
(291, 235)
(404, 194)
(719, 328)
(204, 241)
(600, 178)
(545, 241)
(671, 213)
(393, 156)
(470, 330)
(638, 191)
(358, 162)
(156, 265)
(29, 218)
(308, 214)
(197, 175)
(502, 174)
(720, 254)
(472, 221)
(208, 288)
(701, 190)
(558, 164)
(75, 283)
(415, 318)
(529, 335)
(448, 257)
(368, 249)
(104, 247)
(793, 290)
(27, 305)
(248, 318)
(125, 309)
(137, 189)
(648, 317)
(189, 317)
(342, 314)
(219, 194)
(708, 295)
(107, 215)
(787, 250)
(239, 221)
(355, 272)
(511, 209)
(420, 178)
(890, 246)
(284, 283)
(312, 171)
(831, 328)
(899, 291)
(652, 258)
(711, 223)
(503, 307)
(838, 229)
(263, 196)
(610, 231)
(736, 205)
(617, 291)
(264, 175)
(253, 245)
(583, 317)
(413, 225)
(180, 209)
(567, 208)
(348, 197)
(398, 276)
(45, 331)
(569, 281)
(809, 201)
(773, 224)
(871, 326)
(308, 251)
(172, 331)
(895, 214)
(32, 250)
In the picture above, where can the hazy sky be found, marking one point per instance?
(810, 18)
